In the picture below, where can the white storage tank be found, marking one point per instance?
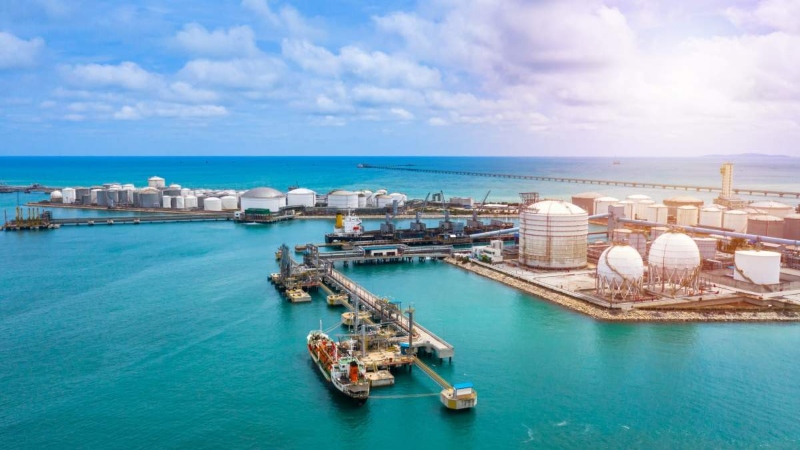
(687, 215)
(711, 216)
(629, 208)
(682, 200)
(401, 198)
(301, 197)
(707, 247)
(772, 208)
(229, 203)
(735, 219)
(56, 197)
(383, 200)
(657, 213)
(212, 204)
(180, 202)
(93, 195)
(156, 182)
(553, 235)
(673, 264)
(791, 227)
(190, 202)
(343, 199)
(175, 186)
(585, 201)
(259, 198)
(759, 267)
(166, 202)
(362, 200)
(655, 232)
(184, 192)
(620, 272)
(601, 204)
(640, 210)
(765, 225)
(68, 195)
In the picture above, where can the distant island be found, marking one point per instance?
(746, 155)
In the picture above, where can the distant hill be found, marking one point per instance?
(747, 155)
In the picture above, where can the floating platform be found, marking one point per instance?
(460, 396)
(298, 295)
(337, 299)
(380, 378)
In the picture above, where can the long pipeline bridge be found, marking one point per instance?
(638, 184)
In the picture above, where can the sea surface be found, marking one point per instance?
(170, 335)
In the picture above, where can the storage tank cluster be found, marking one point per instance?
(553, 235)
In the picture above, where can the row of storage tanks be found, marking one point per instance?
(158, 195)
(767, 218)
(554, 235)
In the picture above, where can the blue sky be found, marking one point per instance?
(440, 77)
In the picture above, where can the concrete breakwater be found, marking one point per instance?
(618, 315)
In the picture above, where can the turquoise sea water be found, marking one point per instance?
(169, 335)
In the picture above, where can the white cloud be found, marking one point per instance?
(780, 15)
(236, 41)
(262, 73)
(186, 92)
(18, 53)
(286, 18)
(311, 57)
(437, 122)
(161, 109)
(402, 114)
(127, 75)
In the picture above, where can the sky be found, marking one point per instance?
(436, 77)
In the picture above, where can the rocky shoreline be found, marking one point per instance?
(618, 315)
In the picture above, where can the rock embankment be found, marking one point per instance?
(618, 315)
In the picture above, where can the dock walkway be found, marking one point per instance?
(161, 218)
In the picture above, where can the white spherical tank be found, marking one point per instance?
(673, 263)
(620, 272)
(687, 215)
(640, 210)
(301, 197)
(735, 219)
(772, 208)
(759, 267)
(166, 201)
(229, 203)
(259, 198)
(212, 204)
(56, 197)
(601, 204)
(343, 199)
(711, 216)
(553, 235)
(657, 213)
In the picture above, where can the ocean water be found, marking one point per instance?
(170, 335)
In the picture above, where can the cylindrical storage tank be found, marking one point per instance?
(655, 232)
(601, 204)
(122, 197)
(180, 202)
(128, 187)
(620, 272)
(343, 199)
(791, 227)
(156, 182)
(382, 201)
(629, 208)
(771, 208)
(260, 198)
(229, 203)
(682, 200)
(585, 201)
(212, 204)
(636, 198)
(657, 213)
(112, 197)
(184, 192)
(80, 193)
(68, 195)
(687, 215)
(640, 210)
(765, 225)
(102, 197)
(201, 201)
(93, 195)
(190, 202)
(172, 192)
(301, 197)
(401, 199)
(735, 219)
(362, 200)
(166, 202)
(148, 198)
(759, 267)
(56, 197)
(553, 235)
(710, 216)
(707, 247)
(175, 186)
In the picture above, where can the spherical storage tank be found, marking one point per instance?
(343, 199)
(735, 220)
(771, 208)
(620, 272)
(601, 204)
(553, 235)
(673, 263)
(585, 201)
(259, 198)
(711, 216)
(791, 227)
(229, 203)
(687, 215)
(212, 204)
(657, 213)
(765, 225)
(759, 267)
(301, 197)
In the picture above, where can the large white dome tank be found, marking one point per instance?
(553, 235)
(673, 263)
(601, 204)
(620, 272)
(401, 198)
(736, 220)
(759, 267)
(229, 203)
(260, 198)
(772, 208)
(301, 197)
(383, 200)
(711, 216)
(687, 215)
(56, 197)
(342, 199)
(212, 204)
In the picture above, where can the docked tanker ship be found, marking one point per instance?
(346, 373)
(350, 229)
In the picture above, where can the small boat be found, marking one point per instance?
(345, 373)
(460, 396)
(298, 295)
(337, 299)
(300, 248)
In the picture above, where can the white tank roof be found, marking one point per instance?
(342, 192)
(638, 197)
(736, 212)
(674, 251)
(302, 191)
(792, 217)
(687, 208)
(765, 218)
(263, 192)
(588, 195)
(620, 261)
(555, 208)
(606, 199)
(770, 205)
(155, 179)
